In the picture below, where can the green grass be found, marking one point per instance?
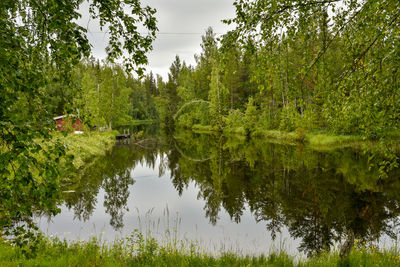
(83, 148)
(315, 140)
(86, 146)
(139, 251)
(359, 256)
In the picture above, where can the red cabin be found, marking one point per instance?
(68, 121)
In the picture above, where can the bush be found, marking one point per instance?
(186, 121)
(195, 114)
(235, 119)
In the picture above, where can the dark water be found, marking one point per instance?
(232, 194)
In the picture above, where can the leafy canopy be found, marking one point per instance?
(40, 38)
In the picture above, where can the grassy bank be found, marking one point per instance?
(82, 147)
(139, 251)
(312, 139)
(86, 146)
(316, 140)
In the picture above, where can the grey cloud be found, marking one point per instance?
(185, 16)
(181, 24)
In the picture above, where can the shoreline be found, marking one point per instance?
(314, 140)
(84, 148)
(87, 146)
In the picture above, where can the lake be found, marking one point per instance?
(249, 196)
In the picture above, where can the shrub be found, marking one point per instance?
(234, 119)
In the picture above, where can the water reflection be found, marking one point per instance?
(317, 196)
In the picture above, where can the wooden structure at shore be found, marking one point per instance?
(124, 136)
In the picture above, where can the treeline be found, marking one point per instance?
(321, 69)
(100, 93)
(110, 97)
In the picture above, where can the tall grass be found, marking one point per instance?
(315, 140)
(86, 146)
(138, 250)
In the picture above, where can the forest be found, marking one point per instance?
(312, 65)
(325, 67)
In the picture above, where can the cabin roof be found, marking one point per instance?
(63, 116)
(60, 117)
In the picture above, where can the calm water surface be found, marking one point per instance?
(233, 194)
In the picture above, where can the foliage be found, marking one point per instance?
(301, 39)
(234, 120)
(250, 116)
(39, 46)
(329, 67)
(169, 98)
(218, 96)
(111, 97)
(84, 147)
(318, 65)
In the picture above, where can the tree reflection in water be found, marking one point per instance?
(318, 196)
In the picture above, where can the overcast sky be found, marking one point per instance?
(181, 24)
